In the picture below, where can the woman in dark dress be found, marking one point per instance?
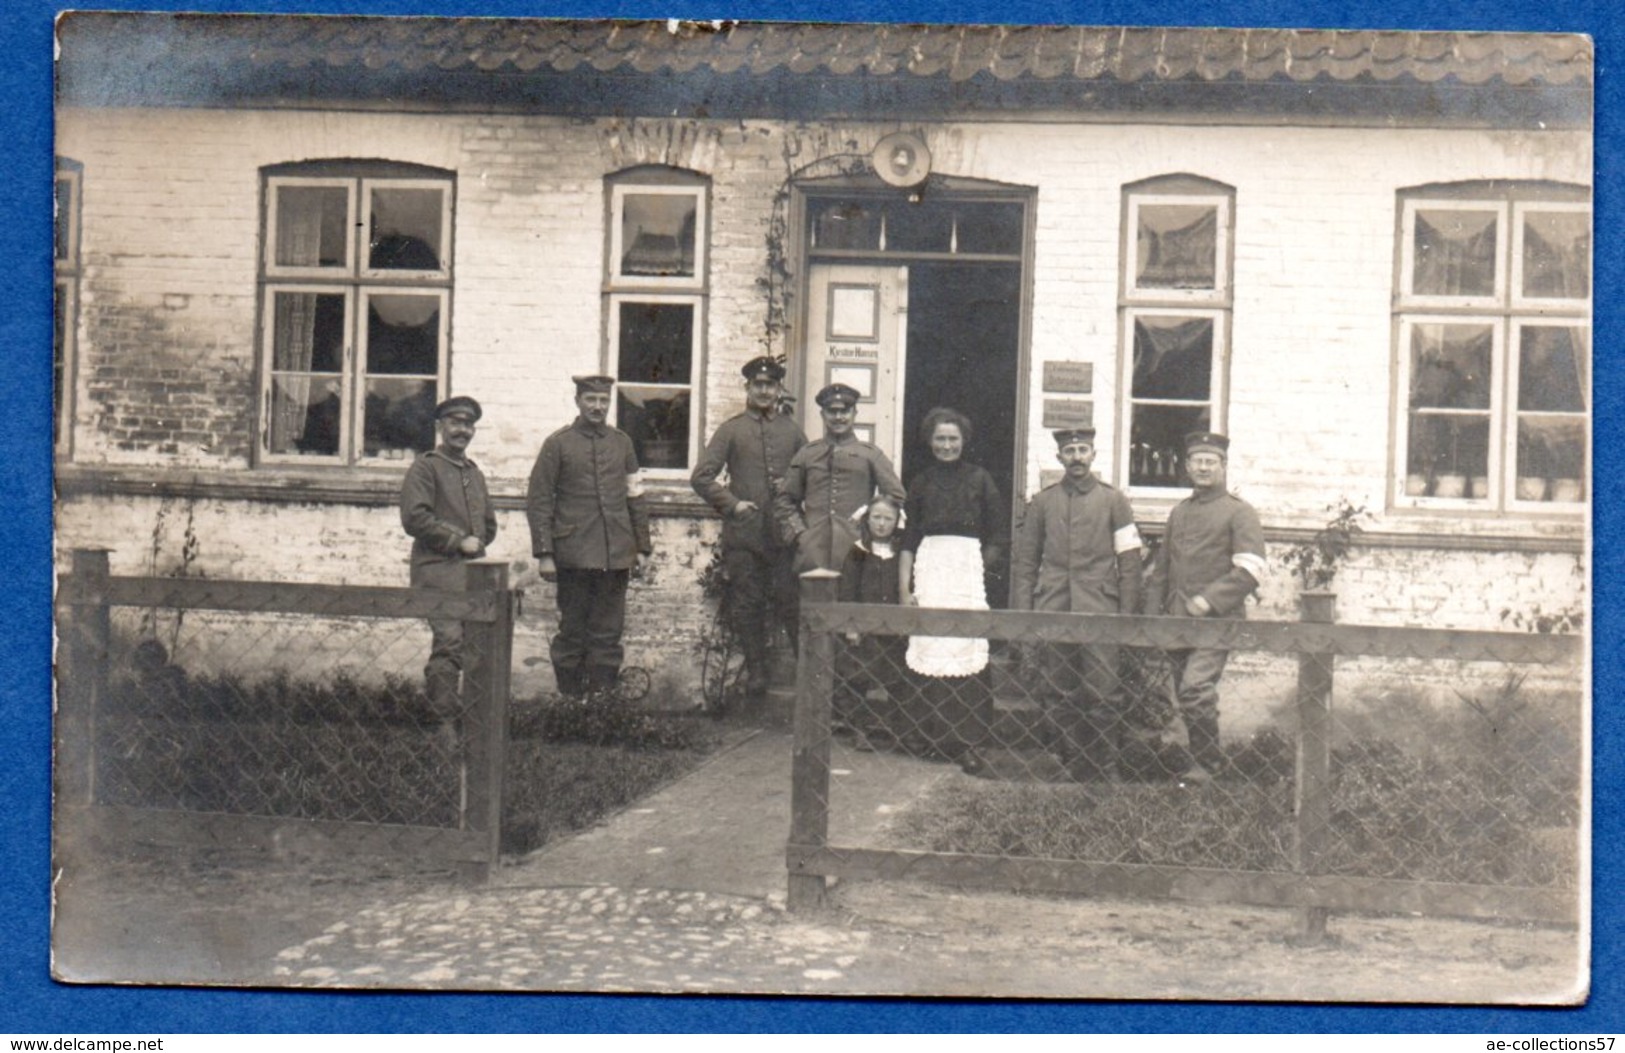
(958, 527)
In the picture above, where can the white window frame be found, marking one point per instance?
(617, 245)
(1407, 261)
(273, 184)
(1492, 413)
(1506, 314)
(1537, 303)
(365, 219)
(1221, 204)
(65, 288)
(356, 283)
(1218, 390)
(695, 369)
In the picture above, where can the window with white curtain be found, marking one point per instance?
(356, 288)
(1175, 323)
(1493, 320)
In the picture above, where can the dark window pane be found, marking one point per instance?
(1557, 255)
(1157, 443)
(1450, 366)
(994, 227)
(924, 227)
(1177, 247)
(305, 415)
(1552, 368)
(845, 225)
(656, 343)
(1448, 455)
(399, 417)
(1551, 459)
(61, 319)
(1454, 253)
(403, 334)
(657, 419)
(659, 234)
(309, 332)
(406, 234)
(64, 220)
(1173, 357)
(311, 226)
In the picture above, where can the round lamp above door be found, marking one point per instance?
(901, 159)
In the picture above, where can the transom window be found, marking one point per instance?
(655, 310)
(65, 313)
(355, 316)
(1494, 353)
(1175, 307)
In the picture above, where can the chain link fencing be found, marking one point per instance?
(228, 710)
(1329, 766)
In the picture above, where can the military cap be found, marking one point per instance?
(763, 367)
(460, 405)
(1066, 436)
(1207, 440)
(593, 382)
(837, 395)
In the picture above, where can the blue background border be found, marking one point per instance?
(33, 1003)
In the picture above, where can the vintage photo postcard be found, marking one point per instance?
(1001, 511)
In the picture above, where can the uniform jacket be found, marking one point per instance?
(827, 482)
(1077, 549)
(755, 449)
(1214, 548)
(584, 504)
(443, 501)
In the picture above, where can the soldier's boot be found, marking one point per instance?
(1206, 749)
(443, 684)
(1098, 750)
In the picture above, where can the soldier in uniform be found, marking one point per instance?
(1077, 549)
(754, 450)
(828, 481)
(446, 509)
(1211, 559)
(588, 529)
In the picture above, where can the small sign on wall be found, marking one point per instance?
(1070, 377)
(1069, 413)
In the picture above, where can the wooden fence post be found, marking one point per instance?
(1313, 792)
(487, 658)
(809, 763)
(81, 673)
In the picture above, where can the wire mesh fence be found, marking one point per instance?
(250, 706)
(1400, 769)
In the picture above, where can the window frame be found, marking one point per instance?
(1134, 302)
(693, 290)
(67, 271)
(356, 283)
(1506, 314)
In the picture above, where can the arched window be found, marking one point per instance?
(1175, 322)
(1493, 356)
(356, 283)
(655, 296)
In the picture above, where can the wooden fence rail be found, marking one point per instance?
(1316, 641)
(85, 598)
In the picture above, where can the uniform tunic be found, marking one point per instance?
(754, 449)
(826, 483)
(1078, 550)
(444, 500)
(1213, 548)
(586, 511)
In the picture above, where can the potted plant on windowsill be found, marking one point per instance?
(1316, 561)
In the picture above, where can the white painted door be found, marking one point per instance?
(857, 330)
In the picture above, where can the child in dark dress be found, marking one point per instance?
(871, 665)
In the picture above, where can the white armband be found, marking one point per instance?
(1252, 564)
(1125, 539)
(634, 484)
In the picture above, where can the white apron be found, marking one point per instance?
(948, 573)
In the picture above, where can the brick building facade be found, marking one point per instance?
(1363, 255)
